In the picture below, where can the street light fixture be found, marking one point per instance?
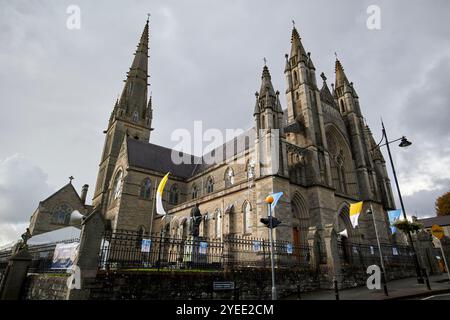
(404, 143)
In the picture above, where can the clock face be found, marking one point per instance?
(118, 185)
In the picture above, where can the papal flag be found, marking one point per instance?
(159, 205)
(394, 215)
(355, 211)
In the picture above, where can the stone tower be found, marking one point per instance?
(348, 102)
(304, 122)
(131, 117)
(268, 116)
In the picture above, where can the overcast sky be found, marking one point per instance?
(58, 86)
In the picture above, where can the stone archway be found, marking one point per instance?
(343, 172)
(300, 220)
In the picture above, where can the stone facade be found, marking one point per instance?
(317, 150)
(54, 212)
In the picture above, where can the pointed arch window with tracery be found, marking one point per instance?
(229, 177)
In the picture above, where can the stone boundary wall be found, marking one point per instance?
(252, 284)
(45, 287)
(172, 285)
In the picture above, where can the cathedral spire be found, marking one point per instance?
(266, 84)
(297, 46)
(341, 78)
(133, 99)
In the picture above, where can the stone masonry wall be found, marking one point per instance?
(45, 287)
(198, 285)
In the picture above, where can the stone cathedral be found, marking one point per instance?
(317, 150)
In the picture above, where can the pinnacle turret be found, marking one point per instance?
(341, 78)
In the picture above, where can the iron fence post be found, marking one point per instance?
(159, 250)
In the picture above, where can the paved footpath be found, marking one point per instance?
(398, 289)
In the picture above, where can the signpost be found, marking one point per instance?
(438, 233)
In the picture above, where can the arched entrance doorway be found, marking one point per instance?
(300, 226)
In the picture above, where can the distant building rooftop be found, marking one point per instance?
(440, 220)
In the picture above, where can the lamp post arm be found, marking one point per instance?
(385, 144)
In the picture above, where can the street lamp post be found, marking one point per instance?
(404, 143)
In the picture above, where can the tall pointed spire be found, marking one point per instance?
(341, 78)
(266, 83)
(267, 97)
(297, 46)
(134, 94)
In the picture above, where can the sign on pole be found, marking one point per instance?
(437, 231)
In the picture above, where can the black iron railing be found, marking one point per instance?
(124, 249)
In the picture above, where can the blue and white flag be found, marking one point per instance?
(394, 215)
(276, 197)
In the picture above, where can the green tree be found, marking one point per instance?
(443, 205)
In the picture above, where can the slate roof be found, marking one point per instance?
(153, 157)
(157, 158)
(441, 221)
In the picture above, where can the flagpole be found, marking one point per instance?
(383, 270)
(153, 207)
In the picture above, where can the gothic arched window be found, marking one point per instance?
(205, 222)
(209, 185)
(194, 191)
(250, 169)
(247, 209)
(173, 194)
(135, 116)
(342, 106)
(61, 214)
(117, 186)
(145, 189)
(229, 177)
(295, 77)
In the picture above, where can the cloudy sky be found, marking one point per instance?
(58, 86)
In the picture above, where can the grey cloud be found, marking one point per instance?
(22, 185)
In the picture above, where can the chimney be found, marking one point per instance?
(84, 191)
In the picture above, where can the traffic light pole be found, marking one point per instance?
(272, 264)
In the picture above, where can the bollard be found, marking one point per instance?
(336, 288)
(427, 280)
(298, 292)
